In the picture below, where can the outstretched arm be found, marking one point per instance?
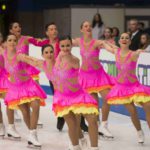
(38, 42)
(75, 42)
(110, 47)
(147, 49)
(98, 44)
(137, 53)
(30, 60)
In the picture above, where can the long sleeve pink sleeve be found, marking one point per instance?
(37, 42)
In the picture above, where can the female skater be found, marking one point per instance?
(11, 130)
(3, 90)
(92, 76)
(19, 95)
(127, 89)
(69, 99)
(52, 38)
(23, 47)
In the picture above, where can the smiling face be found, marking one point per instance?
(125, 40)
(11, 42)
(48, 53)
(65, 46)
(15, 29)
(86, 28)
(52, 31)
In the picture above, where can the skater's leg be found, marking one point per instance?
(93, 129)
(105, 113)
(135, 120)
(2, 128)
(34, 115)
(11, 131)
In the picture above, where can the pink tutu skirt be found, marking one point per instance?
(24, 92)
(33, 72)
(128, 93)
(95, 81)
(78, 102)
(3, 82)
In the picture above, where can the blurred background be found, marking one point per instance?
(69, 14)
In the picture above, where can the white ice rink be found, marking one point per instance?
(51, 139)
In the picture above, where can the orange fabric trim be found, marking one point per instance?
(14, 104)
(98, 89)
(81, 108)
(137, 98)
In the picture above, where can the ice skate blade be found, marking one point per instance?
(10, 137)
(30, 145)
(106, 137)
(17, 120)
(141, 143)
(103, 136)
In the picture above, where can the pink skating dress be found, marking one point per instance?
(41, 43)
(3, 77)
(127, 88)
(92, 76)
(23, 48)
(21, 87)
(69, 96)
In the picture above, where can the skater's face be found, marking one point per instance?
(52, 31)
(16, 29)
(48, 53)
(11, 42)
(125, 40)
(65, 47)
(86, 28)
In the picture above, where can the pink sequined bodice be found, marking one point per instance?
(90, 58)
(126, 69)
(65, 80)
(16, 69)
(21, 47)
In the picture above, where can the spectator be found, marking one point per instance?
(145, 42)
(135, 34)
(108, 35)
(97, 27)
(147, 30)
(141, 26)
(115, 35)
